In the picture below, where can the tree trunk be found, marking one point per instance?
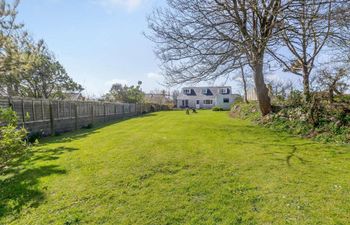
(306, 84)
(244, 85)
(245, 92)
(331, 96)
(261, 89)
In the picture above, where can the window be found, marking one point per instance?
(197, 102)
(187, 91)
(226, 100)
(208, 102)
(224, 91)
(205, 91)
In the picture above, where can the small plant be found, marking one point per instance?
(295, 99)
(12, 138)
(89, 126)
(35, 136)
(239, 99)
(216, 108)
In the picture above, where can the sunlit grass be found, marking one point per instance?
(170, 168)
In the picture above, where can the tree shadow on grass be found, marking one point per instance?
(50, 154)
(292, 154)
(313, 151)
(85, 132)
(19, 185)
(289, 147)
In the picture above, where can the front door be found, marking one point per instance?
(185, 103)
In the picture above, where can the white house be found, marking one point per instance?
(206, 97)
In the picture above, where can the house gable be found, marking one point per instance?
(204, 93)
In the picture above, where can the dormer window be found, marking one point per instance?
(224, 91)
(205, 91)
(187, 91)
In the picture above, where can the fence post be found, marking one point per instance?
(33, 111)
(22, 108)
(52, 120)
(58, 109)
(64, 109)
(42, 110)
(76, 116)
(71, 108)
(104, 112)
(10, 103)
(92, 113)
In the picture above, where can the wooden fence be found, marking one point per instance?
(49, 116)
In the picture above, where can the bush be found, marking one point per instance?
(12, 139)
(332, 125)
(35, 136)
(238, 99)
(246, 111)
(216, 108)
(295, 99)
(89, 126)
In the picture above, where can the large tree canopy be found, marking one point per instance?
(46, 77)
(203, 40)
(28, 68)
(125, 94)
(307, 29)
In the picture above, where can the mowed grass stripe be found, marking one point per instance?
(170, 168)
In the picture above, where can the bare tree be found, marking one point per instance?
(243, 78)
(174, 95)
(334, 81)
(341, 44)
(201, 40)
(307, 27)
(280, 89)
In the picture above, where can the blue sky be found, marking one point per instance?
(98, 41)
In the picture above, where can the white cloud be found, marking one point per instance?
(119, 81)
(130, 5)
(154, 76)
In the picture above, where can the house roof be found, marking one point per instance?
(210, 87)
(198, 91)
(73, 96)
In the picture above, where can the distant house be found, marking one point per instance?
(206, 97)
(73, 97)
(161, 99)
(251, 95)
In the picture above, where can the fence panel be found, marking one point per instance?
(51, 116)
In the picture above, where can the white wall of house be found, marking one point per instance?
(206, 97)
(251, 95)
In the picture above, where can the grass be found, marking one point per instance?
(170, 168)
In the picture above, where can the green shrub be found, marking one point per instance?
(33, 137)
(12, 138)
(333, 125)
(238, 100)
(295, 98)
(246, 110)
(216, 108)
(89, 126)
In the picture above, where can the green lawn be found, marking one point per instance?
(169, 168)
